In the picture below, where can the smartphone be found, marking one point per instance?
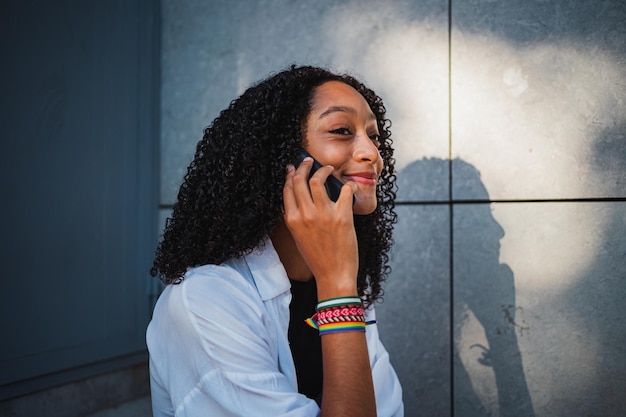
(333, 185)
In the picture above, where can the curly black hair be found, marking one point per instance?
(231, 197)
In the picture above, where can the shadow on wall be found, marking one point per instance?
(484, 308)
(488, 374)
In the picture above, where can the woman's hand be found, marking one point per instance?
(325, 236)
(322, 229)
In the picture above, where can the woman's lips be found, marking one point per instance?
(368, 178)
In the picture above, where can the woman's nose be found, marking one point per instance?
(365, 150)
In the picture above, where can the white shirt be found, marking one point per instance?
(218, 345)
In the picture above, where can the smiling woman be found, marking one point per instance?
(255, 250)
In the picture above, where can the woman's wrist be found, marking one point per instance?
(338, 315)
(335, 287)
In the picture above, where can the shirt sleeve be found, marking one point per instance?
(387, 387)
(222, 357)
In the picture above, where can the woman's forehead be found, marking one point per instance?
(336, 95)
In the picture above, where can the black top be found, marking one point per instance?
(304, 341)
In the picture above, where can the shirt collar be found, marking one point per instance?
(267, 271)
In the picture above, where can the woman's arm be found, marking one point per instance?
(325, 236)
(348, 387)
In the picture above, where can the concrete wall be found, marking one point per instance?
(509, 120)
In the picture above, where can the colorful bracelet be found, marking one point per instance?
(343, 314)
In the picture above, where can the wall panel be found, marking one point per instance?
(80, 94)
(213, 51)
(419, 342)
(536, 290)
(538, 97)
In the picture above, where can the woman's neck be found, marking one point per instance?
(295, 266)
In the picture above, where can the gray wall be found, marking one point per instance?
(509, 119)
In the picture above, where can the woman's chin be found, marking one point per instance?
(364, 206)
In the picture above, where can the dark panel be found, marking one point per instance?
(80, 94)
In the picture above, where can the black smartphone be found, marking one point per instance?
(333, 185)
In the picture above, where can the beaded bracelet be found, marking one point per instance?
(343, 314)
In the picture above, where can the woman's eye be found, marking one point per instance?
(375, 139)
(341, 131)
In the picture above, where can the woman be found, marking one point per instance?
(253, 248)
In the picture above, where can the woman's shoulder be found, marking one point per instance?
(231, 273)
(212, 289)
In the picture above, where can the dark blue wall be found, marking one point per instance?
(79, 118)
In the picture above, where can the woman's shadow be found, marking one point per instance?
(482, 295)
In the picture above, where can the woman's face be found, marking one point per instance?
(341, 131)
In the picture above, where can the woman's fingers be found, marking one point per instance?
(300, 182)
(346, 197)
(289, 199)
(307, 195)
(309, 190)
(317, 185)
